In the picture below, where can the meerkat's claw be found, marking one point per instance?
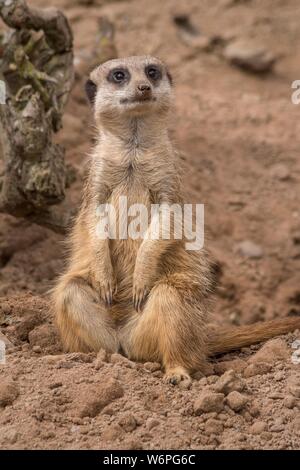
(107, 292)
(176, 375)
(139, 298)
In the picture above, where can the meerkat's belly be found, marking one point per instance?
(132, 212)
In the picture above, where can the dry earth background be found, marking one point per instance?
(238, 134)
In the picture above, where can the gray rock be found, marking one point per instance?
(250, 57)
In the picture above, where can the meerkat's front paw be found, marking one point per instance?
(140, 294)
(175, 375)
(106, 288)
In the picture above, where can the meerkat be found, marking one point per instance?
(146, 298)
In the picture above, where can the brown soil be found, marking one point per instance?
(238, 136)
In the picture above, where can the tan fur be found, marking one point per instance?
(171, 287)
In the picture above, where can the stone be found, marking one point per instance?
(112, 432)
(9, 391)
(119, 359)
(280, 172)
(274, 350)
(295, 390)
(236, 401)
(250, 57)
(249, 249)
(93, 400)
(152, 366)
(258, 427)
(128, 422)
(213, 426)
(258, 368)
(290, 402)
(152, 423)
(229, 382)
(238, 365)
(45, 336)
(208, 402)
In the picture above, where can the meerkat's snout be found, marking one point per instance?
(144, 92)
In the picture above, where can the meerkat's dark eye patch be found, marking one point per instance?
(153, 72)
(119, 75)
(91, 90)
(170, 78)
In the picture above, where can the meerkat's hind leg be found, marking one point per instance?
(82, 319)
(168, 330)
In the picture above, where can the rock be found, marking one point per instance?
(12, 436)
(295, 424)
(295, 390)
(102, 356)
(254, 410)
(52, 359)
(249, 249)
(229, 382)
(37, 349)
(98, 364)
(212, 426)
(119, 359)
(152, 423)
(208, 402)
(277, 428)
(236, 401)
(279, 376)
(280, 172)
(112, 432)
(266, 436)
(46, 337)
(290, 402)
(9, 391)
(198, 43)
(250, 57)
(128, 422)
(101, 359)
(238, 365)
(79, 357)
(258, 427)
(274, 350)
(152, 366)
(28, 322)
(93, 400)
(258, 368)
(55, 385)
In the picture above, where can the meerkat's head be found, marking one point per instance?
(133, 86)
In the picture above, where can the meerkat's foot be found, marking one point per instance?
(84, 323)
(175, 375)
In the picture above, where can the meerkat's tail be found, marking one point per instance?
(227, 339)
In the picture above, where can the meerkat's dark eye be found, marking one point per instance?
(118, 75)
(153, 73)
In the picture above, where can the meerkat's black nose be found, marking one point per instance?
(144, 88)
(144, 91)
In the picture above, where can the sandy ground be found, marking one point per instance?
(238, 136)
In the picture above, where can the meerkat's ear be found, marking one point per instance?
(91, 90)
